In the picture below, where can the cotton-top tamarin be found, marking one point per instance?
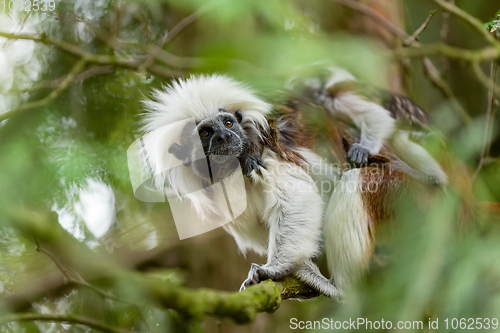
(382, 117)
(285, 218)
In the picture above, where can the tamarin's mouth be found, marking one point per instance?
(229, 151)
(220, 158)
(219, 167)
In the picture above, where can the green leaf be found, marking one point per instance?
(494, 25)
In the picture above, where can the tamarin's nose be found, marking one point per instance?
(221, 137)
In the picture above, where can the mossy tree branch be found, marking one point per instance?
(242, 307)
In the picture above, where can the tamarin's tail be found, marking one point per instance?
(348, 244)
(361, 199)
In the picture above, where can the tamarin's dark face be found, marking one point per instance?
(222, 134)
(223, 142)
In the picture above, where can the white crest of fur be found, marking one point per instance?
(197, 98)
(200, 97)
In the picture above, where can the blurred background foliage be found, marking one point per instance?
(63, 162)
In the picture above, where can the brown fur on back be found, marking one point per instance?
(299, 123)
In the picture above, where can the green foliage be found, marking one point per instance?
(493, 25)
(53, 156)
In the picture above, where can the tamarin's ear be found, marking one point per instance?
(239, 115)
(176, 150)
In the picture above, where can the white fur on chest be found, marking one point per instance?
(269, 194)
(248, 230)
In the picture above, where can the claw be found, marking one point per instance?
(252, 278)
(252, 163)
(358, 154)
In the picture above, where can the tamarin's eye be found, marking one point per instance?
(204, 134)
(228, 123)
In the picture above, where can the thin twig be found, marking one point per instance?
(489, 118)
(92, 71)
(176, 61)
(71, 319)
(62, 269)
(85, 57)
(99, 32)
(444, 33)
(481, 55)
(171, 35)
(445, 26)
(492, 118)
(183, 24)
(415, 35)
(485, 80)
(80, 281)
(19, 28)
(435, 77)
(65, 46)
(50, 97)
(99, 59)
(475, 23)
(430, 69)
